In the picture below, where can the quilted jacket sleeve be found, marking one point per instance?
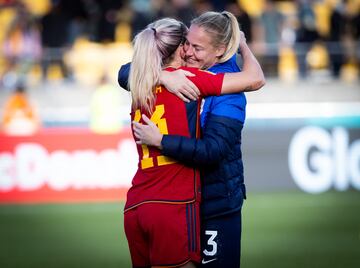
(123, 76)
(219, 137)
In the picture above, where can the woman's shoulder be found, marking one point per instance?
(229, 66)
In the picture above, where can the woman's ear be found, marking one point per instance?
(220, 51)
(179, 54)
(182, 51)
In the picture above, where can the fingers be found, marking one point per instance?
(136, 125)
(194, 89)
(147, 120)
(139, 128)
(242, 35)
(190, 86)
(187, 73)
(188, 92)
(146, 133)
(182, 97)
(137, 132)
(242, 41)
(184, 88)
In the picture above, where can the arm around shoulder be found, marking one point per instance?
(252, 68)
(251, 78)
(220, 136)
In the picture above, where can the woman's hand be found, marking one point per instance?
(242, 40)
(178, 83)
(148, 133)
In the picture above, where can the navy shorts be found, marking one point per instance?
(221, 241)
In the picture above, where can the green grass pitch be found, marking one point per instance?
(292, 230)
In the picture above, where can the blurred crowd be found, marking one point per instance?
(292, 39)
(270, 26)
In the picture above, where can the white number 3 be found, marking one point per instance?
(211, 243)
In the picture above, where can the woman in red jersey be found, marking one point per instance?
(162, 208)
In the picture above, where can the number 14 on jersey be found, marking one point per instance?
(160, 121)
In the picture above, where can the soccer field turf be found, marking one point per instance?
(279, 230)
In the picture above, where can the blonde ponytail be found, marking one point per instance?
(234, 32)
(145, 70)
(153, 47)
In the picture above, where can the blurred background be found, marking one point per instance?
(66, 151)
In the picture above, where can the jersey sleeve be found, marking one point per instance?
(207, 82)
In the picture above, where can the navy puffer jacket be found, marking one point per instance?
(219, 156)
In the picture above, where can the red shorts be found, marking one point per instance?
(162, 234)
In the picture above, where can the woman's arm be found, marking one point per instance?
(250, 78)
(220, 136)
(123, 76)
(176, 82)
(179, 82)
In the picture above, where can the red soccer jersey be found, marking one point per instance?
(160, 178)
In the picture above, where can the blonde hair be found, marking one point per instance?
(223, 29)
(154, 47)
